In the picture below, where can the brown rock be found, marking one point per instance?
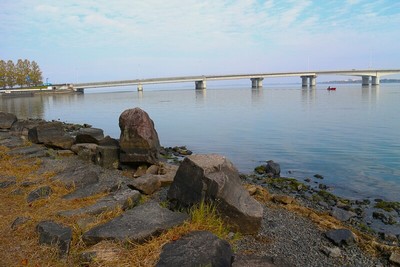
(283, 199)
(395, 258)
(139, 140)
(146, 184)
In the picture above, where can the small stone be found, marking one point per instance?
(41, 192)
(341, 237)
(141, 170)
(283, 199)
(8, 183)
(307, 180)
(319, 176)
(146, 184)
(322, 186)
(19, 221)
(341, 214)
(252, 189)
(331, 252)
(395, 258)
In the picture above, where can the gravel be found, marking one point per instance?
(292, 240)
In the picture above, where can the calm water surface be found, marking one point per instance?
(350, 136)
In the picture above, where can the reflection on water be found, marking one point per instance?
(349, 135)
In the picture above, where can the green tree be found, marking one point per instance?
(35, 74)
(3, 74)
(19, 73)
(27, 71)
(10, 74)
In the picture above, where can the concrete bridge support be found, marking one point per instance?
(375, 80)
(305, 79)
(313, 81)
(256, 82)
(201, 84)
(365, 80)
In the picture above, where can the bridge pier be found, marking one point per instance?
(313, 80)
(201, 84)
(375, 80)
(256, 82)
(365, 80)
(305, 79)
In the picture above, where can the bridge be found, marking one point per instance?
(308, 78)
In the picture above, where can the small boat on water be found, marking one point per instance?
(331, 88)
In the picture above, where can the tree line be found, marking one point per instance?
(23, 73)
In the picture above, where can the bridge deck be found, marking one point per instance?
(373, 73)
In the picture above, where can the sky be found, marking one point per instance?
(102, 40)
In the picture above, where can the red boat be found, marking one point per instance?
(331, 88)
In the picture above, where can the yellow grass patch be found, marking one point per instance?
(20, 247)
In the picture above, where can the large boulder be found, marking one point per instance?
(7, 120)
(139, 140)
(200, 248)
(51, 134)
(214, 178)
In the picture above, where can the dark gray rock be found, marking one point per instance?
(19, 221)
(341, 237)
(107, 157)
(51, 233)
(139, 140)
(108, 141)
(200, 248)
(7, 120)
(136, 225)
(273, 168)
(384, 217)
(30, 151)
(41, 192)
(21, 127)
(7, 182)
(318, 176)
(78, 177)
(214, 178)
(341, 214)
(146, 184)
(253, 261)
(89, 135)
(126, 199)
(51, 134)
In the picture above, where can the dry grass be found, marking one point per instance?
(20, 247)
(203, 217)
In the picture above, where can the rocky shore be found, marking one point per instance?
(74, 197)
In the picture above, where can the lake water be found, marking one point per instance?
(351, 136)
